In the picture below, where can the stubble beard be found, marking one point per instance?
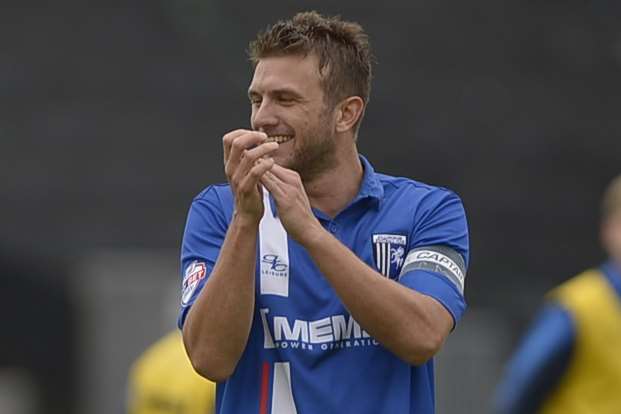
(317, 154)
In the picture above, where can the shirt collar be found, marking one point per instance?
(613, 274)
(370, 187)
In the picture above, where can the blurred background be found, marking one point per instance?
(111, 117)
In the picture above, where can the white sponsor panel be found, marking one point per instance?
(282, 393)
(273, 253)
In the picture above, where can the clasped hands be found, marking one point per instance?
(248, 165)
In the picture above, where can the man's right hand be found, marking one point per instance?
(245, 161)
(217, 326)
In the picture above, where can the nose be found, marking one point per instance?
(263, 116)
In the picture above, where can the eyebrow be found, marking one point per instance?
(281, 91)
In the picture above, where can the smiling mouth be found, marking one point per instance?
(281, 139)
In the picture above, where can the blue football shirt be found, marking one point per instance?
(305, 353)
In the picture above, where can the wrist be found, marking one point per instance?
(245, 221)
(314, 237)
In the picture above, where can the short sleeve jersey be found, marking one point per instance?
(305, 353)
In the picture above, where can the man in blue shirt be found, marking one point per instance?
(311, 283)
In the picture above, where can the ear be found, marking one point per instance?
(610, 233)
(604, 233)
(350, 110)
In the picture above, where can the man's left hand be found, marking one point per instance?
(294, 209)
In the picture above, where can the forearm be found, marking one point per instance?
(410, 324)
(216, 330)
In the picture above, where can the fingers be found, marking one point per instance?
(286, 175)
(260, 168)
(239, 145)
(273, 184)
(259, 151)
(236, 141)
(281, 181)
(288, 196)
(250, 158)
(227, 140)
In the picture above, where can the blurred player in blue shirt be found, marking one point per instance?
(569, 361)
(311, 283)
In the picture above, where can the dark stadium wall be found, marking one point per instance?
(113, 112)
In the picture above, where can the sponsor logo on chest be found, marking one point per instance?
(273, 265)
(334, 332)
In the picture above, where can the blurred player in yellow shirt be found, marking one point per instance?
(570, 360)
(162, 381)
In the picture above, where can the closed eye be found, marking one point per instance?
(254, 97)
(286, 101)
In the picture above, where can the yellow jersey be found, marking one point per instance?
(592, 383)
(162, 381)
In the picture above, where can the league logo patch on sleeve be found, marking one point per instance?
(389, 253)
(194, 273)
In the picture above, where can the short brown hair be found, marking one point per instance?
(342, 48)
(611, 202)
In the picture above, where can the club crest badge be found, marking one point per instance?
(389, 253)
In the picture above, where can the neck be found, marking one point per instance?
(332, 190)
